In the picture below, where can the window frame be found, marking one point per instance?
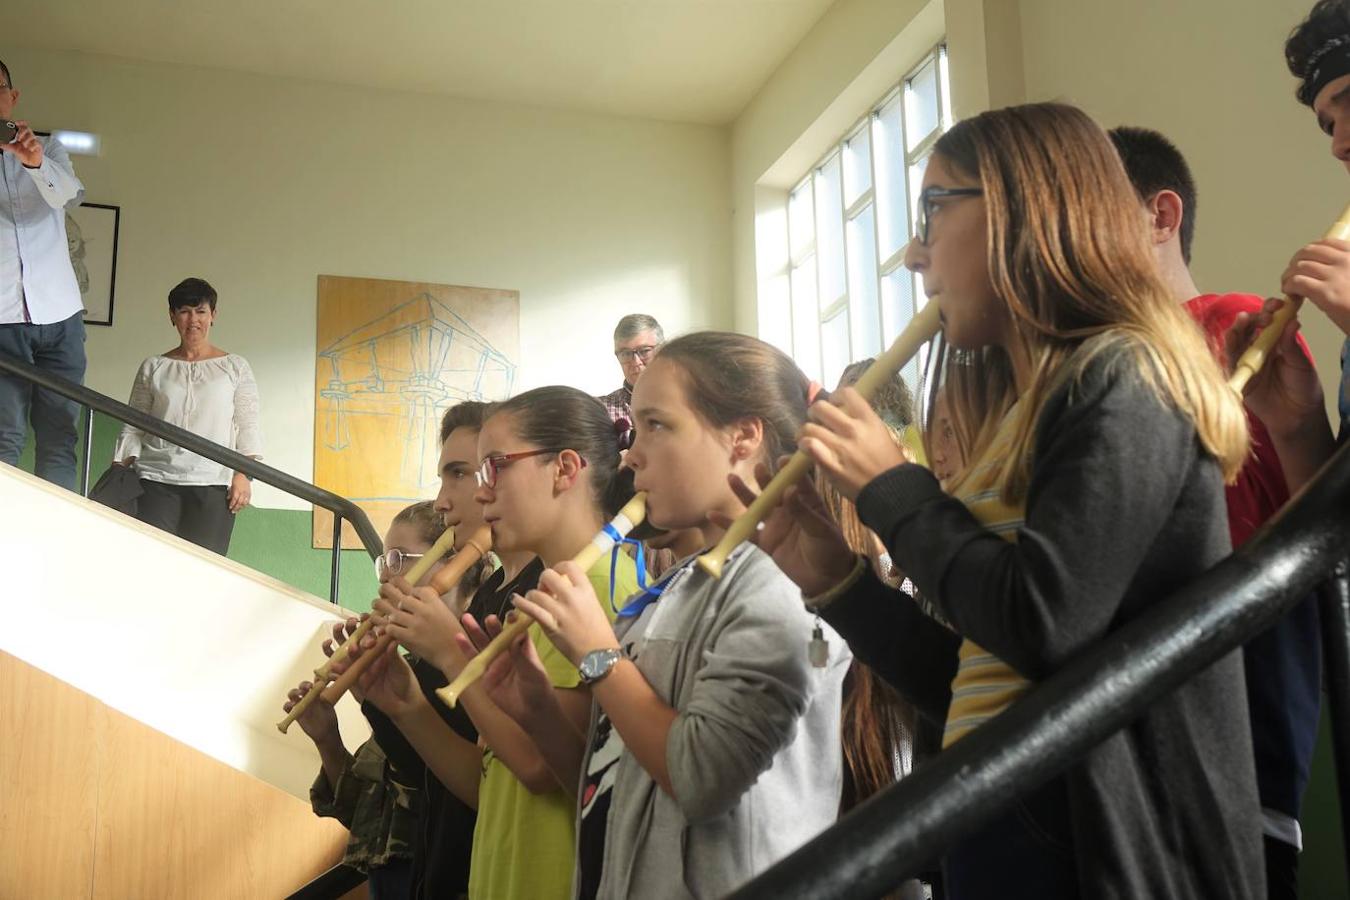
(873, 334)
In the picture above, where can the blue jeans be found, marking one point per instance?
(57, 348)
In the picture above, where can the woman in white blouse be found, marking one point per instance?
(199, 387)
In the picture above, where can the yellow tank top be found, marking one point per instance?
(984, 685)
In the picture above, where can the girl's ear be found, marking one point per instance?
(746, 438)
(569, 465)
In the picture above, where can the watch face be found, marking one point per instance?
(597, 663)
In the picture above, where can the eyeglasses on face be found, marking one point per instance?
(492, 465)
(394, 562)
(642, 353)
(928, 205)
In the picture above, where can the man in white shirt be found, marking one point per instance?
(41, 311)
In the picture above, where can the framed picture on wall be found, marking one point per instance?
(91, 234)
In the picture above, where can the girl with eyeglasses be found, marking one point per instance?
(427, 754)
(548, 480)
(382, 805)
(714, 746)
(1097, 432)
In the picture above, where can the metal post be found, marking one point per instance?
(1334, 606)
(337, 560)
(88, 449)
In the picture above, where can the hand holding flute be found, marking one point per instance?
(319, 720)
(1320, 271)
(516, 681)
(628, 518)
(920, 330)
(324, 674)
(417, 618)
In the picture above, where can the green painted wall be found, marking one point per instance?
(273, 541)
(1322, 865)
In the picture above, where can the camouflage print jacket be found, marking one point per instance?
(381, 814)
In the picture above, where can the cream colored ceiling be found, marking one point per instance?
(678, 60)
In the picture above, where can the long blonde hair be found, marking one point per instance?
(1069, 255)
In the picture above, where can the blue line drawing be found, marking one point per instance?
(409, 364)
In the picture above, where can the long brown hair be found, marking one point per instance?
(876, 723)
(1069, 256)
(977, 387)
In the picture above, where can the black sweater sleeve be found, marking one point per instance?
(396, 747)
(1110, 461)
(886, 630)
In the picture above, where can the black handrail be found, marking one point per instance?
(892, 836)
(1334, 610)
(337, 882)
(90, 399)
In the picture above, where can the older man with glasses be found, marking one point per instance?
(41, 310)
(636, 338)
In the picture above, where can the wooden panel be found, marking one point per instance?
(176, 823)
(392, 356)
(96, 804)
(49, 750)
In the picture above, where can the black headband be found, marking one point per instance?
(1329, 62)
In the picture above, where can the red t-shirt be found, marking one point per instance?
(1260, 489)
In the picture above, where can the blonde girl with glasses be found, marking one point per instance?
(382, 806)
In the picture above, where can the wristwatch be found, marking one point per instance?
(596, 664)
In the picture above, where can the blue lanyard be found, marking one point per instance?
(619, 540)
(652, 594)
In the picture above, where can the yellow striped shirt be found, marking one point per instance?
(984, 685)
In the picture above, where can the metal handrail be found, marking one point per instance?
(895, 834)
(92, 400)
(337, 882)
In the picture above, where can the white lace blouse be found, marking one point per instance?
(215, 398)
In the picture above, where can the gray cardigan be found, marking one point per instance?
(754, 753)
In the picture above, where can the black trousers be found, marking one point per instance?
(1281, 870)
(197, 513)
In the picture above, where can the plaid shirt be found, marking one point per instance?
(620, 404)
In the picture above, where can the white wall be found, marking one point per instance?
(260, 184)
(1214, 80)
